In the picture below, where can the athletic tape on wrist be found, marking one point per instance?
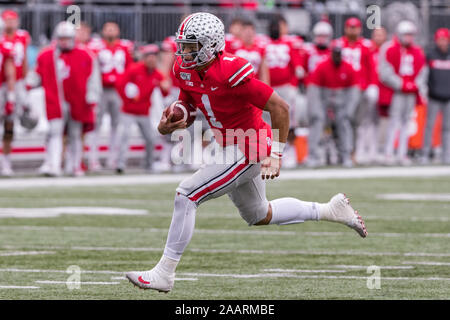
(277, 149)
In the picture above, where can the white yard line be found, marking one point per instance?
(359, 267)
(407, 218)
(58, 271)
(176, 279)
(363, 173)
(58, 211)
(19, 287)
(304, 270)
(24, 183)
(118, 229)
(85, 201)
(38, 213)
(44, 213)
(426, 254)
(427, 263)
(157, 179)
(290, 275)
(445, 197)
(246, 251)
(194, 275)
(81, 282)
(225, 231)
(25, 253)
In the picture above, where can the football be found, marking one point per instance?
(182, 110)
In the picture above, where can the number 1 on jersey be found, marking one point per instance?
(212, 118)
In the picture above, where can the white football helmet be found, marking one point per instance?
(204, 30)
(323, 30)
(406, 30)
(406, 27)
(65, 30)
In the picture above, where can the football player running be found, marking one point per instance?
(224, 88)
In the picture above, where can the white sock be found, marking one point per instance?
(92, 138)
(6, 160)
(167, 264)
(181, 227)
(55, 152)
(291, 210)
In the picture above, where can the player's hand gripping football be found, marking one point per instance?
(270, 168)
(167, 126)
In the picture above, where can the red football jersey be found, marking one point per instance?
(359, 56)
(328, 75)
(385, 93)
(262, 40)
(169, 45)
(232, 43)
(282, 60)
(312, 56)
(75, 70)
(232, 101)
(253, 53)
(136, 86)
(406, 64)
(6, 52)
(295, 41)
(113, 59)
(19, 42)
(95, 45)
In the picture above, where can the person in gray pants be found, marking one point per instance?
(402, 69)
(114, 56)
(135, 88)
(332, 85)
(438, 60)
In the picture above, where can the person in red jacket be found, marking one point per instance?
(7, 100)
(333, 85)
(318, 50)
(376, 135)
(71, 80)
(355, 50)
(135, 88)
(284, 63)
(114, 56)
(402, 68)
(253, 51)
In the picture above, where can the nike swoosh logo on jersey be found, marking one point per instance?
(214, 88)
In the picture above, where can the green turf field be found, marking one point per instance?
(408, 239)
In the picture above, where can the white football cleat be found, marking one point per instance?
(111, 163)
(340, 210)
(7, 171)
(347, 162)
(153, 279)
(95, 166)
(389, 160)
(48, 171)
(405, 161)
(78, 173)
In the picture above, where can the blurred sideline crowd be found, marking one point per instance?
(352, 100)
